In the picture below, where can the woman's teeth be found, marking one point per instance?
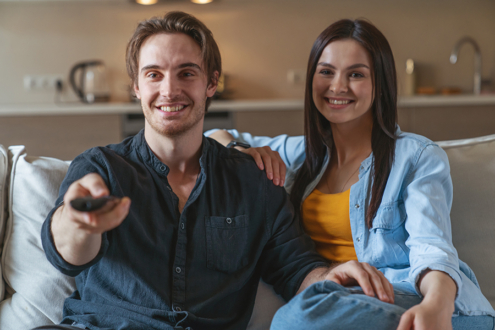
(172, 109)
(339, 101)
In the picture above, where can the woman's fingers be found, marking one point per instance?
(270, 161)
(381, 285)
(370, 279)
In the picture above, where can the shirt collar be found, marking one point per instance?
(147, 155)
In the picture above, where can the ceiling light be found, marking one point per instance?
(146, 2)
(202, 1)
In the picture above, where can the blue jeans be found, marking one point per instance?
(328, 305)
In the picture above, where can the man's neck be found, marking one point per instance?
(180, 153)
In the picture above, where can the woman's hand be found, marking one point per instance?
(268, 160)
(371, 280)
(436, 309)
(428, 315)
(264, 157)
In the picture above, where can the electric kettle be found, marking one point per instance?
(93, 84)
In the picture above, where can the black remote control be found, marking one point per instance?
(90, 204)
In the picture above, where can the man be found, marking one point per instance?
(204, 223)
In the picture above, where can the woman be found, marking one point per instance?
(367, 191)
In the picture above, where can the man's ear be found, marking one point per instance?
(136, 90)
(212, 86)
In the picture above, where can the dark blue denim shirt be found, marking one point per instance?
(199, 268)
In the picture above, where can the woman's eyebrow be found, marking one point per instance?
(354, 66)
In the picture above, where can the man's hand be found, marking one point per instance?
(77, 235)
(371, 280)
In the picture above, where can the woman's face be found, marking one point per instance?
(342, 84)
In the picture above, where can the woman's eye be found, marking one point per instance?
(326, 72)
(357, 75)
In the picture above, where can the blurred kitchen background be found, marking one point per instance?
(264, 44)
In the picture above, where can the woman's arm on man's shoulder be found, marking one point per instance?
(271, 154)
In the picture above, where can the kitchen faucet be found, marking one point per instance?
(477, 60)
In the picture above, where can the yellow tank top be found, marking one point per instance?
(326, 220)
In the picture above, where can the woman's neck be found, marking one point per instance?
(351, 141)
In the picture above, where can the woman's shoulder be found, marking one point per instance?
(413, 148)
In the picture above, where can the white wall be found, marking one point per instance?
(259, 39)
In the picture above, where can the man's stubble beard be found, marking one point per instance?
(175, 128)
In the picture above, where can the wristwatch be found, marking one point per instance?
(235, 143)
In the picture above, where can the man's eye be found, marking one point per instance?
(152, 75)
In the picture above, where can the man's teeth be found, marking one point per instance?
(172, 109)
(340, 101)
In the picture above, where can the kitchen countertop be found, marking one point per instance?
(230, 105)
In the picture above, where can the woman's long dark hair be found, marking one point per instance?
(384, 110)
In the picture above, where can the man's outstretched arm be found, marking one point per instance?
(77, 235)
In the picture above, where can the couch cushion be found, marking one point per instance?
(4, 171)
(35, 289)
(472, 165)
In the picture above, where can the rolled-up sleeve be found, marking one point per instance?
(290, 148)
(428, 200)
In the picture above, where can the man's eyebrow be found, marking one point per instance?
(150, 67)
(190, 65)
(354, 66)
(181, 66)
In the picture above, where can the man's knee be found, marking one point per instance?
(328, 304)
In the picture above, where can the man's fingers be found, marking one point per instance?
(89, 185)
(406, 321)
(94, 184)
(99, 221)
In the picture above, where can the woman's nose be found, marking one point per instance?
(339, 84)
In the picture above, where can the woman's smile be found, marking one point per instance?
(342, 84)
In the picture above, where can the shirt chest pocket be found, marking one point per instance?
(227, 243)
(388, 237)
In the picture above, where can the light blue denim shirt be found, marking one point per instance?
(411, 231)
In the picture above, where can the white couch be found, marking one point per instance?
(32, 291)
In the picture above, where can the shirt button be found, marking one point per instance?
(182, 226)
(163, 168)
(229, 220)
(178, 270)
(358, 239)
(178, 309)
(357, 206)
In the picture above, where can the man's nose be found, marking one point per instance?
(169, 87)
(339, 84)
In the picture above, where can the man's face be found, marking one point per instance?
(172, 84)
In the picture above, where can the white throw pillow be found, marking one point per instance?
(472, 165)
(35, 289)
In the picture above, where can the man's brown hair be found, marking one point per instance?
(176, 22)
